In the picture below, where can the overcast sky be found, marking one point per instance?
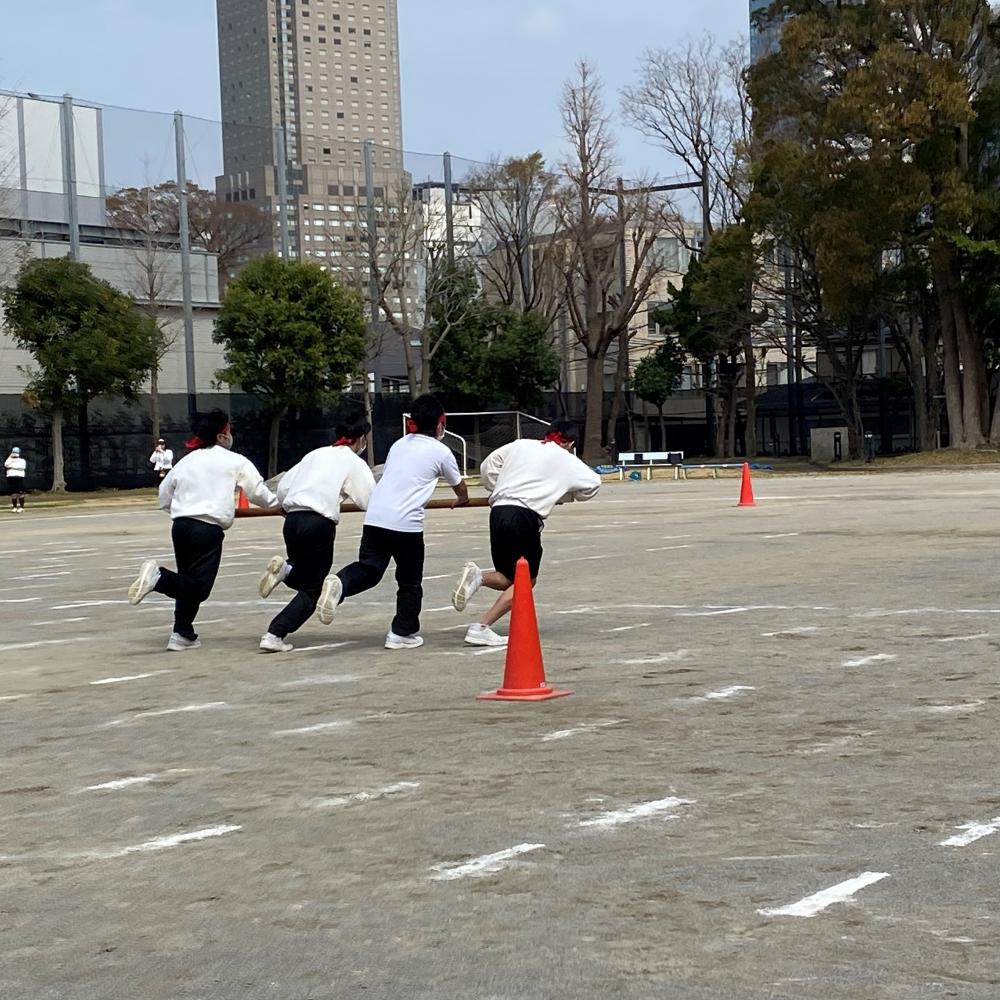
(479, 76)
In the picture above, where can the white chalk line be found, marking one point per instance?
(319, 727)
(131, 677)
(631, 814)
(966, 706)
(44, 642)
(669, 548)
(626, 628)
(972, 833)
(161, 843)
(141, 779)
(325, 645)
(863, 661)
(203, 707)
(490, 649)
(486, 864)
(18, 600)
(399, 788)
(677, 656)
(965, 638)
(726, 692)
(59, 621)
(586, 727)
(819, 901)
(800, 630)
(40, 576)
(321, 679)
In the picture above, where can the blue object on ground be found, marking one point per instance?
(635, 476)
(606, 470)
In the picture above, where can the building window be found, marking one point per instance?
(332, 189)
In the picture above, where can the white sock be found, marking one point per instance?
(285, 570)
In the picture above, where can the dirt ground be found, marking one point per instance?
(776, 777)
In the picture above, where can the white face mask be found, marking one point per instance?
(440, 432)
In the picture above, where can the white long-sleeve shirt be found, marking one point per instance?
(536, 475)
(15, 467)
(203, 486)
(162, 460)
(322, 477)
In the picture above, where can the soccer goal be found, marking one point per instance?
(472, 436)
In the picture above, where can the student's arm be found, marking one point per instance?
(489, 469)
(167, 489)
(360, 485)
(252, 483)
(449, 472)
(586, 484)
(152, 459)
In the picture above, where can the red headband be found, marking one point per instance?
(350, 442)
(557, 437)
(411, 424)
(194, 441)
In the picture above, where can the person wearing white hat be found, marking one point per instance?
(162, 460)
(16, 467)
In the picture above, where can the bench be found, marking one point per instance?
(681, 471)
(647, 461)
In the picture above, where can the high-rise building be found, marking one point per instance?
(319, 78)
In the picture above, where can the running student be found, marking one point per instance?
(525, 480)
(310, 495)
(394, 523)
(199, 492)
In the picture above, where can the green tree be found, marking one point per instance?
(291, 336)
(86, 340)
(657, 375)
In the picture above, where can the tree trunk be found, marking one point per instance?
(750, 376)
(425, 370)
(663, 430)
(83, 424)
(731, 429)
(974, 391)
(58, 461)
(370, 417)
(593, 452)
(154, 400)
(851, 409)
(621, 376)
(272, 443)
(952, 381)
(924, 433)
(995, 422)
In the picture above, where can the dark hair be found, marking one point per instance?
(207, 427)
(350, 422)
(567, 428)
(426, 412)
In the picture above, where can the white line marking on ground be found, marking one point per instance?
(142, 779)
(784, 534)
(325, 645)
(491, 649)
(162, 843)
(13, 697)
(668, 548)
(377, 793)
(818, 901)
(801, 630)
(712, 614)
(447, 607)
(965, 638)
(586, 727)
(484, 865)
(82, 604)
(626, 628)
(562, 562)
(968, 706)
(451, 628)
(318, 727)
(130, 677)
(204, 707)
(18, 600)
(58, 621)
(674, 657)
(322, 679)
(43, 642)
(973, 832)
(40, 576)
(883, 613)
(863, 661)
(726, 692)
(642, 810)
(440, 576)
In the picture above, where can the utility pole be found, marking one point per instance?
(69, 176)
(184, 237)
(449, 212)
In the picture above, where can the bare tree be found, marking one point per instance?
(606, 243)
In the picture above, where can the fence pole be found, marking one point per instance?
(184, 238)
(449, 211)
(281, 185)
(69, 175)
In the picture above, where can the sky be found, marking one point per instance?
(479, 77)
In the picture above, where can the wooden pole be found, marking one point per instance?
(350, 508)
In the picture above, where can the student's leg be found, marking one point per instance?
(515, 533)
(309, 541)
(408, 551)
(20, 498)
(372, 562)
(198, 552)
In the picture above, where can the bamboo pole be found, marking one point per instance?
(350, 508)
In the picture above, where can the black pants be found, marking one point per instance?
(378, 546)
(198, 552)
(16, 486)
(309, 541)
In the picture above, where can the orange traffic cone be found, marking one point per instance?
(746, 489)
(524, 673)
(241, 499)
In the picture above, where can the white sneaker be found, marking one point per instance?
(329, 598)
(483, 635)
(468, 583)
(149, 575)
(274, 644)
(393, 641)
(272, 576)
(178, 644)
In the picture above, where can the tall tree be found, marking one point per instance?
(291, 336)
(86, 340)
(656, 377)
(603, 287)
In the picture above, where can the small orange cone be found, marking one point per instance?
(524, 673)
(746, 489)
(241, 499)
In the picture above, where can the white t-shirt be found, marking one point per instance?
(161, 460)
(412, 468)
(536, 475)
(317, 482)
(202, 486)
(15, 466)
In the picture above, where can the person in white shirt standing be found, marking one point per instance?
(394, 523)
(162, 460)
(16, 468)
(199, 492)
(525, 480)
(310, 493)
